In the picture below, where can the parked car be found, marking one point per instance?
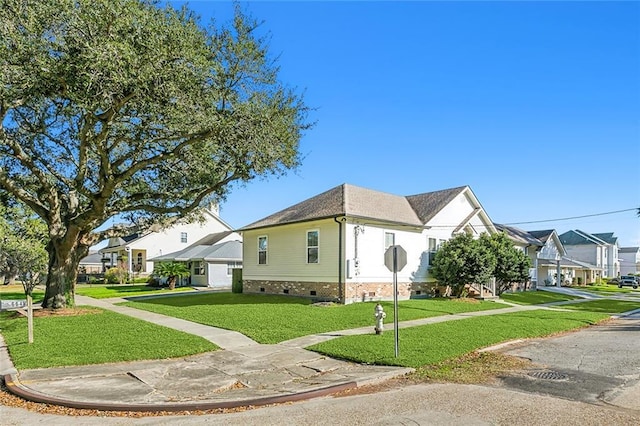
(628, 280)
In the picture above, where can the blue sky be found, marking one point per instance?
(534, 105)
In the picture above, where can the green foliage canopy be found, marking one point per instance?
(464, 260)
(172, 271)
(23, 238)
(124, 107)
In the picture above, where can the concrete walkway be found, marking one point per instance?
(244, 373)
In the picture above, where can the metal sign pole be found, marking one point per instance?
(395, 297)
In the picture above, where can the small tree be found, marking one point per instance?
(512, 265)
(171, 271)
(463, 260)
(22, 251)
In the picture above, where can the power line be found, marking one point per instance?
(573, 217)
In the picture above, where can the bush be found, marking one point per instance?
(579, 280)
(116, 276)
(236, 280)
(153, 282)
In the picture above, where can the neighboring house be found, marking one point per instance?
(210, 260)
(543, 248)
(136, 252)
(598, 250)
(92, 263)
(629, 260)
(332, 246)
(612, 266)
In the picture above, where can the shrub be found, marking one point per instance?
(236, 280)
(116, 276)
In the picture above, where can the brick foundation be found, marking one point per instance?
(354, 292)
(364, 292)
(314, 290)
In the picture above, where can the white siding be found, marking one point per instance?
(588, 253)
(629, 262)
(550, 251)
(371, 248)
(453, 214)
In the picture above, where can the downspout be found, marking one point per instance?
(340, 265)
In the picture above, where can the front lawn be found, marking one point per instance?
(536, 297)
(608, 306)
(93, 338)
(604, 288)
(434, 343)
(273, 319)
(16, 292)
(125, 290)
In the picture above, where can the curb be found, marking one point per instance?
(15, 387)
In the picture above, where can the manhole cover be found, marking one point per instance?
(548, 375)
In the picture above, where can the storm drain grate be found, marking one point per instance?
(548, 375)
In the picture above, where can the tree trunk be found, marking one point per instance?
(64, 259)
(172, 282)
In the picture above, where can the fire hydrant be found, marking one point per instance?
(380, 315)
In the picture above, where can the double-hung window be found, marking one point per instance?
(262, 250)
(389, 240)
(313, 244)
(198, 268)
(183, 237)
(433, 248)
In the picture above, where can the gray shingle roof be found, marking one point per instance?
(205, 249)
(578, 237)
(519, 235)
(94, 257)
(427, 205)
(628, 249)
(355, 201)
(607, 237)
(542, 235)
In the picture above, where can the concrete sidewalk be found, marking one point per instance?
(244, 373)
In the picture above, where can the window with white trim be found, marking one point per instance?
(198, 268)
(183, 237)
(432, 248)
(313, 245)
(263, 244)
(389, 240)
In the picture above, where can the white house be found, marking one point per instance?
(332, 246)
(599, 250)
(136, 252)
(543, 248)
(629, 260)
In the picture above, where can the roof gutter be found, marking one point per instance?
(340, 256)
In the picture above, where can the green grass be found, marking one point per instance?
(604, 288)
(609, 306)
(434, 343)
(125, 290)
(536, 297)
(16, 292)
(273, 319)
(93, 338)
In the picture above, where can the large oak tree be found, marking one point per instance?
(124, 107)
